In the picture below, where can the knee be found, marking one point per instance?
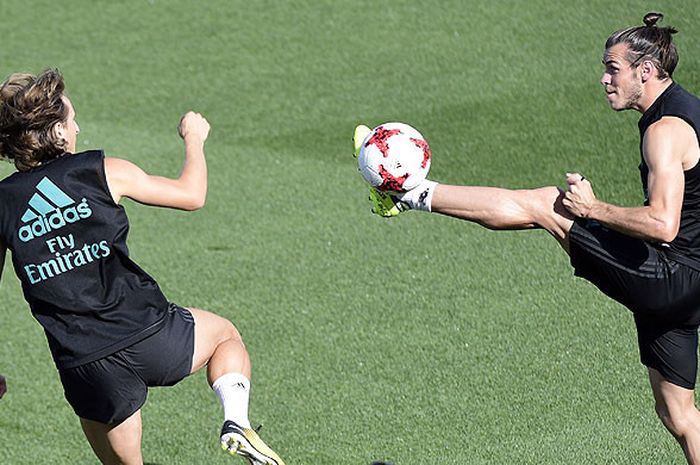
(548, 211)
(213, 329)
(230, 332)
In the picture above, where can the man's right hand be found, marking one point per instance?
(193, 125)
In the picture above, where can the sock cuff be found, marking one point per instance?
(232, 380)
(421, 196)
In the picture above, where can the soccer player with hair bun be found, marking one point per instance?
(646, 257)
(111, 331)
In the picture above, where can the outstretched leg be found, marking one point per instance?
(497, 208)
(675, 406)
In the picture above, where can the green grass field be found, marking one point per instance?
(420, 340)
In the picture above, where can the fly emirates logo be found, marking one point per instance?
(51, 209)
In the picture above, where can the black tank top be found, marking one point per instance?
(68, 244)
(676, 101)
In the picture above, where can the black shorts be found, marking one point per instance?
(663, 295)
(111, 389)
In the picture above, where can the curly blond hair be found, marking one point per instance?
(30, 108)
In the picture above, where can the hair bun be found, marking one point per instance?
(651, 18)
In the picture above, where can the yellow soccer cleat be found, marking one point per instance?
(384, 204)
(245, 442)
(359, 136)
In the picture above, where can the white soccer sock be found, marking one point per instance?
(234, 391)
(421, 196)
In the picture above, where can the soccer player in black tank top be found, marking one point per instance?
(111, 331)
(648, 257)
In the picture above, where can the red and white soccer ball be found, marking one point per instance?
(394, 157)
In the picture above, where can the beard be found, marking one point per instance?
(633, 95)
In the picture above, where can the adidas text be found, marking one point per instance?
(55, 220)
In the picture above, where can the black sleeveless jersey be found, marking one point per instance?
(68, 244)
(676, 101)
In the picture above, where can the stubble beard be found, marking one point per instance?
(634, 95)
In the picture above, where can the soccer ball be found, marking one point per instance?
(394, 157)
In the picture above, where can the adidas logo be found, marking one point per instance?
(50, 209)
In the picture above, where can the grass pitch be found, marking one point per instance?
(417, 340)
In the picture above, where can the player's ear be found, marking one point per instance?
(647, 70)
(59, 131)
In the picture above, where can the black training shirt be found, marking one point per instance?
(68, 244)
